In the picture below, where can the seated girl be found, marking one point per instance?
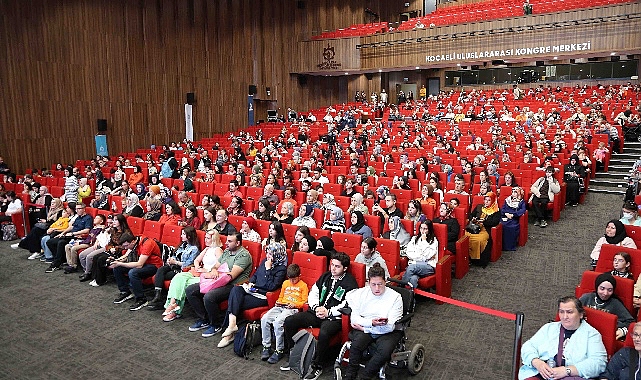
(422, 252)
(604, 299)
(369, 255)
(204, 263)
(182, 258)
(336, 221)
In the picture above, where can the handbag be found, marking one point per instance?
(41, 225)
(207, 284)
(473, 228)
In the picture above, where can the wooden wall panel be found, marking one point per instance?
(66, 63)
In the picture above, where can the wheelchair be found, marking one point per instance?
(402, 356)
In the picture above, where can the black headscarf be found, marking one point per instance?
(360, 221)
(605, 277)
(619, 235)
(311, 241)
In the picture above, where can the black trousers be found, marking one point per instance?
(57, 247)
(381, 352)
(328, 328)
(540, 207)
(98, 269)
(162, 274)
(572, 192)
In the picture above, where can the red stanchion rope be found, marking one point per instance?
(467, 305)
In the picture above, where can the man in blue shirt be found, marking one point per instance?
(80, 227)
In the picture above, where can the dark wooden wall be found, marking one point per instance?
(67, 63)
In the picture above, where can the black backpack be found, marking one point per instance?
(301, 355)
(247, 337)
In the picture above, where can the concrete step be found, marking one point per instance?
(605, 190)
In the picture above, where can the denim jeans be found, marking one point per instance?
(416, 271)
(43, 244)
(136, 275)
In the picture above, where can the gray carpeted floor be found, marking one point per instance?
(54, 327)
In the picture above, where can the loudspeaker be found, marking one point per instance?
(301, 4)
(540, 63)
(191, 99)
(369, 76)
(102, 125)
(572, 60)
(252, 89)
(302, 80)
(615, 58)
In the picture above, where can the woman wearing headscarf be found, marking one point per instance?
(269, 276)
(511, 212)
(153, 193)
(141, 191)
(603, 298)
(485, 215)
(358, 226)
(305, 216)
(397, 232)
(573, 173)
(446, 217)
(357, 204)
(328, 201)
(336, 221)
(248, 230)
(133, 207)
(307, 244)
(325, 247)
(84, 190)
(101, 201)
(154, 210)
(614, 234)
(38, 210)
(31, 242)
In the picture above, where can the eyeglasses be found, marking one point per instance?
(636, 336)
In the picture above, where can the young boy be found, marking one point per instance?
(293, 295)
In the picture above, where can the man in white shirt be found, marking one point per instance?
(375, 311)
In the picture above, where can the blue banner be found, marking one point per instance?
(101, 145)
(250, 110)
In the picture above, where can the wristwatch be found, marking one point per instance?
(568, 371)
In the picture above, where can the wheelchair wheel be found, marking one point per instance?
(338, 374)
(416, 359)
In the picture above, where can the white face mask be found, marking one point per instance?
(627, 215)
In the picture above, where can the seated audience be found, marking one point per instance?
(370, 256)
(203, 263)
(486, 216)
(580, 354)
(604, 299)
(358, 226)
(422, 252)
(305, 216)
(247, 229)
(614, 234)
(269, 276)
(293, 295)
(172, 215)
(182, 258)
(325, 299)
(511, 212)
(453, 226)
(397, 232)
(375, 309)
(543, 191)
(625, 364)
(336, 221)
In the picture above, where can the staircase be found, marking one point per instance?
(615, 181)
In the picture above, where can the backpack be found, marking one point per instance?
(8, 231)
(247, 337)
(301, 355)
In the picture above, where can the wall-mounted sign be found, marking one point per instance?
(491, 54)
(329, 63)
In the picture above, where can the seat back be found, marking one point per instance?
(606, 258)
(317, 233)
(171, 235)
(311, 266)
(606, 324)
(634, 233)
(348, 243)
(255, 250)
(136, 225)
(358, 270)
(390, 250)
(153, 230)
(373, 222)
(624, 289)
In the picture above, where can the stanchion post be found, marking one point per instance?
(518, 336)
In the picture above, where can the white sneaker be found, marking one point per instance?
(14, 246)
(34, 256)
(93, 283)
